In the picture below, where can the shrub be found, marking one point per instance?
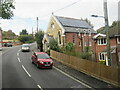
(53, 44)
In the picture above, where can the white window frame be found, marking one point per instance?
(118, 40)
(85, 44)
(53, 26)
(84, 33)
(90, 43)
(119, 56)
(100, 41)
(104, 54)
(90, 34)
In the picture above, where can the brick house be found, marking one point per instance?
(100, 47)
(65, 30)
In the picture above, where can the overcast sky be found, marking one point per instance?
(27, 10)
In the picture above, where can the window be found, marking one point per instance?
(118, 40)
(90, 34)
(73, 38)
(102, 41)
(101, 56)
(85, 44)
(84, 33)
(79, 43)
(59, 38)
(90, 43)
(119, 56)
(52, 26)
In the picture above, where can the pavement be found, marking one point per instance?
(91, 81)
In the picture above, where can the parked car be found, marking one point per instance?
(9, 44)
(42, 60)
(25, 47)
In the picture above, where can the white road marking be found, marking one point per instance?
(19, 50)
(26, 71)
(19, 60)
(39, 87)
(17, 54)
(72, 77)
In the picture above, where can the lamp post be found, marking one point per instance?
(37, 24)
(107, 31)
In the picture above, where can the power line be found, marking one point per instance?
(62, 8)
(66, 6)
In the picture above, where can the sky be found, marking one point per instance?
(27, 11)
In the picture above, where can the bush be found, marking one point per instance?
(69, 47)
(53, 44)
(85, 55)
(102, 62)
(25, 38)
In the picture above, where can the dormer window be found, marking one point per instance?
(84, 33)
(53, 26)
(102, 41)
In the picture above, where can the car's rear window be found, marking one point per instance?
(43, 56)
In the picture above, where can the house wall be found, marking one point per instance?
(82, 39)
(54, 32)
(100, 48)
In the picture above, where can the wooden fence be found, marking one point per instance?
(105, 73)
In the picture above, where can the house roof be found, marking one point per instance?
(71, 22)
(99, 34)
(74, 25)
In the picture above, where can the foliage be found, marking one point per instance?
(8, 35)
(24, 32)
(86, 54)
(53, 44)
(102, 62)
(69, 47)
(39, 37)
(115, 25)
(6, 8)
(25, 38)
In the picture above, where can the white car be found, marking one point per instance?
(25, 47)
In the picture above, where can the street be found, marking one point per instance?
(19, 72)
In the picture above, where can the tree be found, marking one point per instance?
(6, 7)
(24, 32)
(39, 37)
(26, 38)
(8, 34)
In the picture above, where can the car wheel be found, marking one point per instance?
(32, 62)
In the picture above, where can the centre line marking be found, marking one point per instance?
(19, 59)
(17, 54)
(39, 87)
(26, 71)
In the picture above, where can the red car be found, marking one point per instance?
(42, 60)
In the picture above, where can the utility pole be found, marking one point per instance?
(107, 32)
(37, 24)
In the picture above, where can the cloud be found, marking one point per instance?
(27, 10)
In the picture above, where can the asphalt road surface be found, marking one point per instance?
(19, 72)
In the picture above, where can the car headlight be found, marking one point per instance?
(51, 62)
(41, 62)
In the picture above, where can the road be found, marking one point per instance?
(19, 72)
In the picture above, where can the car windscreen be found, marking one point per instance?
(25, 45)
(43, 56)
